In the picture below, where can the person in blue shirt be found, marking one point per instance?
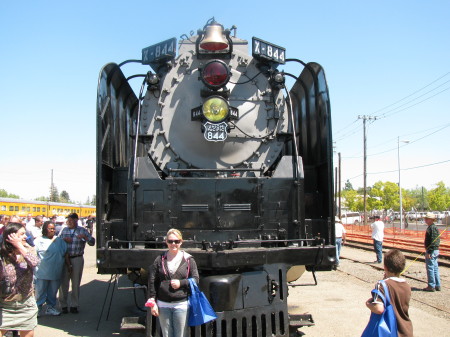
(51, 250)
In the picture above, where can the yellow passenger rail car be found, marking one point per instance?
(22, 208)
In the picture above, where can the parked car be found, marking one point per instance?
(412, 216)
(438, 215)
(351, 218)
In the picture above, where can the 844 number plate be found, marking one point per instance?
(215, 132)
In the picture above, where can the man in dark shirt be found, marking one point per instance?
(432, 242)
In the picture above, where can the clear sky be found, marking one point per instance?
(384, 59)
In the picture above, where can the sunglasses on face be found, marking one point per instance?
(174, 241)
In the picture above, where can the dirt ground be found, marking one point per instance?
(336, 303)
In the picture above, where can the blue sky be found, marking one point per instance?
(382, 58)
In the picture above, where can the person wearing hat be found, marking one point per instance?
(340, 232)
(432, 242)
(76, 237)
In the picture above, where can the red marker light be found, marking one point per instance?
(215, 74)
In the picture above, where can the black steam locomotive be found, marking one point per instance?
(214, 145)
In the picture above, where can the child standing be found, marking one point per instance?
(399, 292)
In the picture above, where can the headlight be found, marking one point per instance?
(215, 109)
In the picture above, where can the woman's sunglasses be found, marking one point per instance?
(174, 241)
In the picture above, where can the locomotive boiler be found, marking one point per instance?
(212, 143)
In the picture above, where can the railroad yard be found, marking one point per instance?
(336, 304)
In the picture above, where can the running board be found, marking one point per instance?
(297, 321)
(133, 323)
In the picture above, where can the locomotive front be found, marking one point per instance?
(213, 146)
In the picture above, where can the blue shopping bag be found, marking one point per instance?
(385, 324)
(200, 311)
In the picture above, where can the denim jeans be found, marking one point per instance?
(434, 279)
(46, 292)
(173, 321)
(338, 249)
(378, 246)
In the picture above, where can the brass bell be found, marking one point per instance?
(214, 39)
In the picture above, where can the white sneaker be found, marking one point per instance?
(52, 311)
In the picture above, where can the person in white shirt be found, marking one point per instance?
(36, 230)
(340, 232)
(378, 236)
(29, 222)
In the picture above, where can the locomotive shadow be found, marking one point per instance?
(92, 297)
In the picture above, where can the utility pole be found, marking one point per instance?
(51, 187)
(336, 193)
(339, 182)
(399, 181)
(365, 118)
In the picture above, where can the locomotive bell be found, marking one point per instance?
(214, 39)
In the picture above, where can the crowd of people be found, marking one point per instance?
(38, 258)
(36, 263)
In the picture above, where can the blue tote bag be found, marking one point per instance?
(200, 311)
(385, 324)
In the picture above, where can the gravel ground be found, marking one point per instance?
(337, 302)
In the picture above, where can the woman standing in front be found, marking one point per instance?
(169, 286)
(18, 310)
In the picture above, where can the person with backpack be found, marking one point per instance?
(399, 295)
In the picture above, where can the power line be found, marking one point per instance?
(412, 168)
(395, 110)
(346, 127)
(411, 142)
(415, 92)
(426, 99)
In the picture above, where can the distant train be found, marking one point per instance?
(216, 146)
(22, 208)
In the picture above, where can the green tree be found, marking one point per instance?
(408, 201)
(90, 201)
(348, 186)
(386, 195)
(42, 198)
(5, 194)
(54, 195)
(419, 196)
(438, 198)
(351, 199)
(64, 197)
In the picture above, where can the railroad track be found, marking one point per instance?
(430, 303)
(405, 245)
